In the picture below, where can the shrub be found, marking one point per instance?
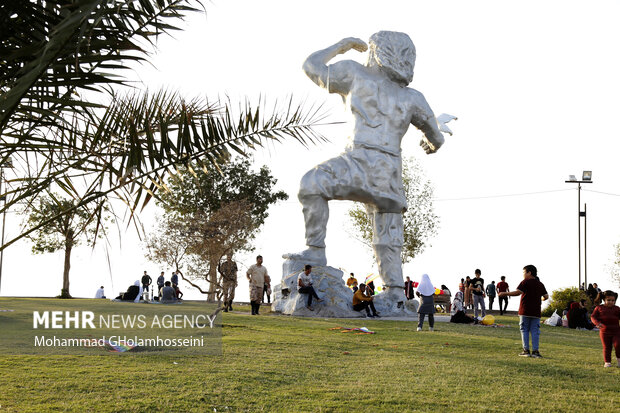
(560, 299)
(64, 293)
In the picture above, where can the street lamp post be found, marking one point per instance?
(586, 178)
(6, 164)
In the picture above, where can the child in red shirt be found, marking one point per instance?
(607, 318)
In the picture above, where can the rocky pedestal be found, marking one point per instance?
(329, 285)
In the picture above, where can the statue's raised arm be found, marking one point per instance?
(315, 65)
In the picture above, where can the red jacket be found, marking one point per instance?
(607, 318)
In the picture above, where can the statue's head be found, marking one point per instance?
(394, 53)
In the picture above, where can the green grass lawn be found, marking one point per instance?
(278, 363)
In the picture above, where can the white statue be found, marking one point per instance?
(369, 171)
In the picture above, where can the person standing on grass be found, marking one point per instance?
(598, 294)
(467, 296)
(531, 290)
(228, 271)
(160, 284)
(607, 318)
(592, 293)
(502, 287)
(477, 290)
(409, 289)
(426, 292)
(174, 279)
(490, 290)
(257, 274)
(146, 281)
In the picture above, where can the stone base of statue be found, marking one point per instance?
(392, 303)
(328, 284)
(337, 298)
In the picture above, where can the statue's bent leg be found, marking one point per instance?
(316, 215)
(314, 193)
(388, 243)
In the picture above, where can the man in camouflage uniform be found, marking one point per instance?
(257, 274)
(228, 270)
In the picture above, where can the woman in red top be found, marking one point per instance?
(607, 318)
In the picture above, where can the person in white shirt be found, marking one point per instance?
(257, 274)
(100, 293)
(304, 281)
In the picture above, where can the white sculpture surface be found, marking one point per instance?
(327, 282)
(369, 171)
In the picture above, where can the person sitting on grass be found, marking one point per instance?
(426, 291)
(363, 302)
(168, 295)
(133, 293)
(531, 290)
(304, 281)
(607, 318)
(100, 293)
(178, 292)
(457, 315)
(577, 316)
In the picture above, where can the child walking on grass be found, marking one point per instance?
(426, 292)
(607, 318)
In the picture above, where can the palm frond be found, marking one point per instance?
(129, 148)
(54, 49)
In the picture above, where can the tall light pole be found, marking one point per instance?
(586, 178)
(6, 164)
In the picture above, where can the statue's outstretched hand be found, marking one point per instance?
(352, 43)
(427, 146)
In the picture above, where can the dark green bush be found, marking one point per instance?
(64, 293)
(560, 299)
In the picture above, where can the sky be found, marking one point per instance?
(534, 86)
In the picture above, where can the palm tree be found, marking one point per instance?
(69, 121)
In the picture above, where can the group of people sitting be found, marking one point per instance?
(577, 312)
(362, 293)
(577, 315)
(167, 291)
